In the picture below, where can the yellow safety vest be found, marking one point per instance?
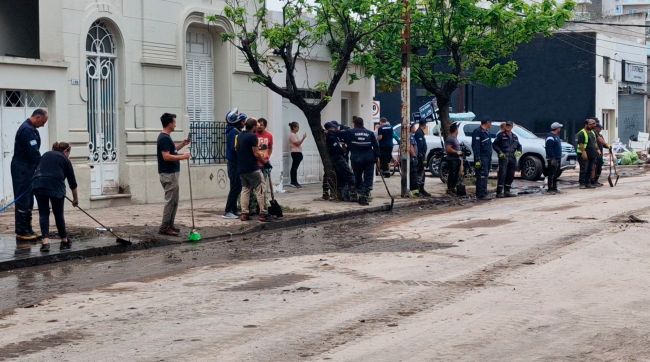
(586, 143)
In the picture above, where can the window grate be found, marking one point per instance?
(208, 142)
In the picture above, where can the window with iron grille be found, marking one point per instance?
(208, 135)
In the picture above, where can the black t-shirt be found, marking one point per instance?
(455, 145)
(246, 159)
(165, 144)
(386, 131)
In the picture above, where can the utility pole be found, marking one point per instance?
(405, 81)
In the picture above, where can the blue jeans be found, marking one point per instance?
(235, 187)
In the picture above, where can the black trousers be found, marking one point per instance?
(44, 201)
(413, 174)
(552, 172)
(363, 167)
(296, 159)
(235, 188)
(385, 156)
(506, 173)
(598, 167)
(482, 175)
(585, 170)
(454, 173)
(421, 173)
(21, 179)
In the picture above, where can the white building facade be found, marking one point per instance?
(106, 71)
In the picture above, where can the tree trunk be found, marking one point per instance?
(443, 112)
(317, 131)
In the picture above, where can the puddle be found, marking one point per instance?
(270, 282)
(34, 345)
(483, 223)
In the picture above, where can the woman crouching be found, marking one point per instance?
(49, 188)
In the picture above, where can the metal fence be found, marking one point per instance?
(208, 142)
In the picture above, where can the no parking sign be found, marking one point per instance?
(376, 111)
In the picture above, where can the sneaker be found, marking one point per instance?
(363, 201)
(582, 187)
(65, 244)
(451, 192)
(230, 215)
(167, 231)
(484, 198)
(500, 196)
(263, 218)
(244, 217)
(45, 247)
(296, 185)
(511, 194)
(175, 229)
(424, 193)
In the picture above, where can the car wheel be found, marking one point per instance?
(531, 168)
(443, 169)
(433, 164)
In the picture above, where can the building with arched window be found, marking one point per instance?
(106, 70)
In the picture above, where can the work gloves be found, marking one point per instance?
(502, 155)
(517, 154)
(477, 165)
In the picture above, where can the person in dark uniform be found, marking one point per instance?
(508, 148)
(23, 164)
(553, 156)
(336, 150)
(598, 166)
(587, 151)
(364, 154)
(385, 137)
(482, 149)
(235, 121)
(413, 159)
(49, 188)
(421, 141)
(452, 149)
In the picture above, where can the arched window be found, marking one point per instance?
(101, 79)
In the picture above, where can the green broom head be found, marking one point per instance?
(194, 236)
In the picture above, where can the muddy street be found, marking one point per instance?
(530, 278)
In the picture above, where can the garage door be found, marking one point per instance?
(311, 168)
(15, 108)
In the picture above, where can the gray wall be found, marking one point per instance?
(19, 28)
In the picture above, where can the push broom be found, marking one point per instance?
(193, 235)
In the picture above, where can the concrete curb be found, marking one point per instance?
(147, 244)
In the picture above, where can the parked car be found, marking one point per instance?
(532, 163)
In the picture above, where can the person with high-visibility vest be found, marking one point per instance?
(587, 151)
(598, 166)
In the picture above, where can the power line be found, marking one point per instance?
(611, 24)
(604, 47)
(587, 50)
(638, 34)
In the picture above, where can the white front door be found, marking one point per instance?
(101, 79)
(16, 107)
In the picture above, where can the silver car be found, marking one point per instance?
(532, 163)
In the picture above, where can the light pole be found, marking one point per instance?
(405, 81)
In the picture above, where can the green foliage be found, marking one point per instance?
(457, 42)
(282, 43)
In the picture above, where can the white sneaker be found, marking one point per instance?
(230, 215)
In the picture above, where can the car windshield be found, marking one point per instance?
(524, 133)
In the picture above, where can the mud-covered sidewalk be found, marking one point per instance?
(140, 223)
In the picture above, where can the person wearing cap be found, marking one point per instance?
(364, 154)
(553, 156)
(421, 141)
(344, 177)
(413, 158)
(508, 148)
(482, 149)
(385, 137)
(598, 166)
(587, 151)
(235, 121)
(454, 154)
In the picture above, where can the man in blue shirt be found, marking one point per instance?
(235, 122)
(23, 165)
(482, 148)
(385, 137)
(553, 156)
(508, 148)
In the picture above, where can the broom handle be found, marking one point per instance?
(189, 175)
(95, 220)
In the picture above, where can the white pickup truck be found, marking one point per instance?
(531, 164)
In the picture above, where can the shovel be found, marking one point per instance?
(612, 162)
(392, 199)
(118, 239)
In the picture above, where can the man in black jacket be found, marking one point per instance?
(23, 164)
(364, 154)
(508, 148)
(553, 156)
(344, 176)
